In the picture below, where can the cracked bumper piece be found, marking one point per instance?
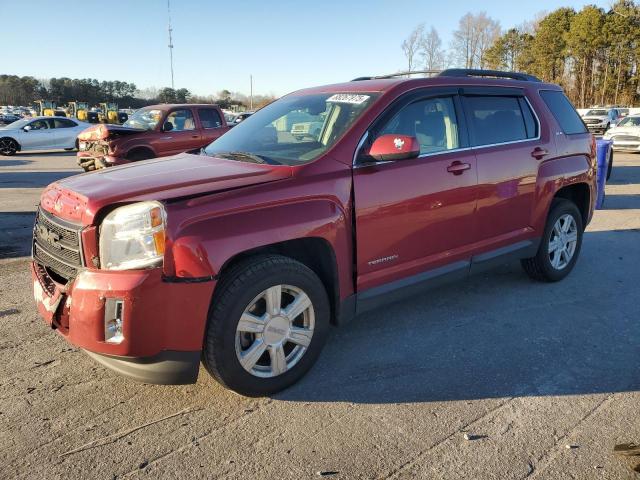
(166, 368)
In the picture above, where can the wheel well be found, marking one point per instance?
(315, 253)
(11, 138)
(579, 194)
(139, 152)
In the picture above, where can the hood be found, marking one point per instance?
(79, 198)
(104, 131)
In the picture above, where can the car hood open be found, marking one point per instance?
(80, 197)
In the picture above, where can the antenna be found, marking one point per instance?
(170, 42)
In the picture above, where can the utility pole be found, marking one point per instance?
(251, 90)
(170, 42)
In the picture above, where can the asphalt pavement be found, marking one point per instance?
(496, 377)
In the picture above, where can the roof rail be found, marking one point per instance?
(471, 72)
(399, 74)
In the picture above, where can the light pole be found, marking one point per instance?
(170, 43)
(251, 92)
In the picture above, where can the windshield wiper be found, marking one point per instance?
(244, 157)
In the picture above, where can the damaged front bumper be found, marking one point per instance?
(163, 321)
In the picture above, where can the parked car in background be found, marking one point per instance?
(154, 131)
(8, 118)
(626, 134)
(599, 120)
(242, 116)
(243, 255)
(40, 133)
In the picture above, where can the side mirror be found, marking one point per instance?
(26, 128)
(394, 147)
(167, 127)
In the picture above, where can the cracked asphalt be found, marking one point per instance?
(543, 379)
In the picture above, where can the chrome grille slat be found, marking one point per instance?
(62, 254)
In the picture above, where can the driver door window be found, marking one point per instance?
(39, 125)
(432, 121)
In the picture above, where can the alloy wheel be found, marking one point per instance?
(563, 241)
(7, 146)
(275, 331)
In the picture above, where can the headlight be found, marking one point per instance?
(132, 237)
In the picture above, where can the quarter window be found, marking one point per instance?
(432, 121)
(209, 118)
(181, 120)
(496, 119)
(561, 108)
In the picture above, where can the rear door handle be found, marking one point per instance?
(195, 136)
(458, 168)
(539, 153)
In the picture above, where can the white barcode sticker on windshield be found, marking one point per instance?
(348, 98)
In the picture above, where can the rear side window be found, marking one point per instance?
(496, 119)
(561, 108)
(63, 123)
(209, 118)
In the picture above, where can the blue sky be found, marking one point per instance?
(285, 44)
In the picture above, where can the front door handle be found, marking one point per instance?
(539, 153)
(458, 168)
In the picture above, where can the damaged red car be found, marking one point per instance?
(155, 131)
(243, 255)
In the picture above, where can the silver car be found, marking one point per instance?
(40, 133)
(599, 120)
(626, 134)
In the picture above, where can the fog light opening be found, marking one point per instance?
(113, 309)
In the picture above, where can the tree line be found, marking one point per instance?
(594, 54)
(15, 90)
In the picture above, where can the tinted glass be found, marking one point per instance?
(209, 118)
(561, 108)
(181, 120)
(39, 125)
(630, 122)
(529, 121)
(63, 123)
(432, 121)
(293, 130)
(496, 120)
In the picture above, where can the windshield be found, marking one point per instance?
(144, 118)
(293, 130)
(20, 123)
(630, 122)
(598, 113)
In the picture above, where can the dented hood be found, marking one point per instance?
(104, 131)
(80, 197)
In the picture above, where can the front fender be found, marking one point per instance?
(201, 248)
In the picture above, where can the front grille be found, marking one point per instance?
(592, 121)
(626, 138)
(56, 245)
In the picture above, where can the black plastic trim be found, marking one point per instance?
(167, 368)
(208, 278)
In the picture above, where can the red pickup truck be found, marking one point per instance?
(243, 255)
(154, 131)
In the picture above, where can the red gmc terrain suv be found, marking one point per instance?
(243, 255)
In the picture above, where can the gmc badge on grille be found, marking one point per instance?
(49, 236)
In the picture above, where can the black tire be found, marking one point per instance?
(610, 164)
(141, 154)
(236, 291)
(539, 267)
(8, 146)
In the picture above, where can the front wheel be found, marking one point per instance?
(8, 146)
(267, 325)
(560, 244)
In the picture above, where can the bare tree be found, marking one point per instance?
(474, 36)
(412, 44)
(433, 55)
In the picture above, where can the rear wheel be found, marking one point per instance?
(8, 146)
(560, 244)
(268, 323)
